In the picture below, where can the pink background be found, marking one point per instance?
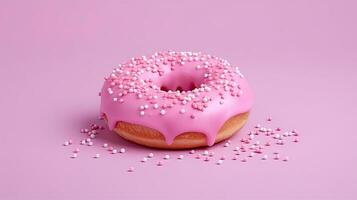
(299, 56)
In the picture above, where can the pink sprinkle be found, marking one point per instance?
(76, 150)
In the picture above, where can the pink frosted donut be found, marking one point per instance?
(176, 100)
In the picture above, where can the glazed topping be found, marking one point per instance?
(167, 89)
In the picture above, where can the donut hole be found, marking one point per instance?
(179, 88)
(183, 79)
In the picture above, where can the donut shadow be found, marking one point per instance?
(84, 119)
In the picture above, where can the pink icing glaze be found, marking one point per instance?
(212, 92)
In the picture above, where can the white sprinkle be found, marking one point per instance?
(90, 144)
(276, 157)
(192, 151)
(162, 112)
(251, 154)
(97, 155)
(92, 136)
(74, 155)
(226, 144)
(142, 113)
(83, 142)
(146, 106)
(122, 150)
(180, 157)
(156, 106)
(105, 145)
(286, 158)
(66, 143)
(115, 99)
(205, 153)
(114, 151)
(144, 159)
(151, 155)
(167, 157)
(219, 162)
(182, 111)
(131, 169)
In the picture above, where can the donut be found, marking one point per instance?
(175, 100)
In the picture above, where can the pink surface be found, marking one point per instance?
(298, 56)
